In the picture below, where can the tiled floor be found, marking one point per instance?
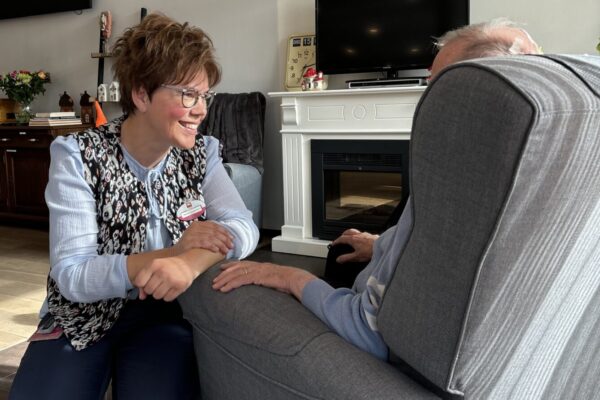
(23, 270)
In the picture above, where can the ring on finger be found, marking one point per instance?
(245, 271)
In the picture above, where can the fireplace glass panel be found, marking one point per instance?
(361, 197)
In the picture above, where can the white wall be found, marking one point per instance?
(250, 37)
(559, 26)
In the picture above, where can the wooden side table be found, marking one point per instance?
(24, 164)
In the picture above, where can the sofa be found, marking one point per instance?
(238, 121)
(497, 292)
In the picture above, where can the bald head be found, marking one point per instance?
(495, 38)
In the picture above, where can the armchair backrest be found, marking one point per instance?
(238, 121)
(497, 293)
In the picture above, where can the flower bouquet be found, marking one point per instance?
(22, 87)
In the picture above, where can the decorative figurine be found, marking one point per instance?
(113, 92)
(102, 93)
(311, 80)
(65, 102)
(308, 79)
(105, 30)
(320, 82)
(87, 108)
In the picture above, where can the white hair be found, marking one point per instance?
(485, 39)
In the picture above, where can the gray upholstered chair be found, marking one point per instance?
(497, 293)
(238, 121)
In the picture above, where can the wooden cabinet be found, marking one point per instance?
(24, 164)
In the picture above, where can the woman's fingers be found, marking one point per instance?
(207, 235)
(158, 292)
(164, 278)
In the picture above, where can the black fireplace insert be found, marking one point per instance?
(360, 184)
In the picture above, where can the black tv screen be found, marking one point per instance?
(382, 35)
(11, 9)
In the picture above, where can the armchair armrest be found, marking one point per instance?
(248, 181)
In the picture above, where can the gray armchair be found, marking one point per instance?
(237, 120)
(497, 292)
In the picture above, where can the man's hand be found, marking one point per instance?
(285, 279)
(205, 235)
(362, 242)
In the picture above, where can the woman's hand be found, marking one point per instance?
(168, 277)
(285, 279)
(362, 242)
(165, 278)
(205, 235)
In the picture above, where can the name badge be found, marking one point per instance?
(190, 210)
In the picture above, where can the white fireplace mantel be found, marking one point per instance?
(374, 113)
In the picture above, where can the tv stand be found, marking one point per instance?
(369, 83)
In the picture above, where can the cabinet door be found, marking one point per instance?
(27, 177)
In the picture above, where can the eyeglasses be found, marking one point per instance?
(190, 97)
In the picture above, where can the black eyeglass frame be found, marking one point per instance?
(192, 95)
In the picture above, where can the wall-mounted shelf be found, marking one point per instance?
(102, 55)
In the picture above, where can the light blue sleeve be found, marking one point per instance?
(80, 273)
(352, 314)
(342, 310)
(224, 204)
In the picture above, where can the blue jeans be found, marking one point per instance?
(148, 354)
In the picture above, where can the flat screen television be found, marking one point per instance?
(13, 9)
(382, 35)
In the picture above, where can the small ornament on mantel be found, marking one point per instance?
(65, 102)
(87, 108)
(313, 80)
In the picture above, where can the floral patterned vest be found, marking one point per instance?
(122, 214)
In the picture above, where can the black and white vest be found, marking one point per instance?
(122, 215)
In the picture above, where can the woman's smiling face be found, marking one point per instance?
(172, 123)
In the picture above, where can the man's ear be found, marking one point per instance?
(140, 98)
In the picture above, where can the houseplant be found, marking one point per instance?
(22, 87)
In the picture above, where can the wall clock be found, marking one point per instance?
(300, 55)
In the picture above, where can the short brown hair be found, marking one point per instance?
(160, 50)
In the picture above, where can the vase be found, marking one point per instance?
(23, 115)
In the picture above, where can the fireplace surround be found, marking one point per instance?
(371, 114)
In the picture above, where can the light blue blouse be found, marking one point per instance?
(84, 276)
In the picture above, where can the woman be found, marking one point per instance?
(138, 209)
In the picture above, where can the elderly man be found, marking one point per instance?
(352, 313)
(350, 253)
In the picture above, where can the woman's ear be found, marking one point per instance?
(140, 99)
